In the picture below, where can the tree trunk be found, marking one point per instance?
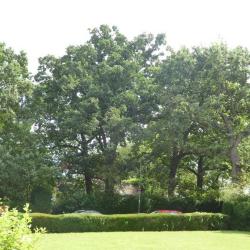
(172, 174)
(235, 158)
(88, 183)
(109, 186)
(234, 141)
(200, 174)
(87, 176)
(110, 156)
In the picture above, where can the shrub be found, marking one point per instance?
(237, 205)
(239, 212)
(129, 204)
(41, 200)
(133, 222)
(15, 230)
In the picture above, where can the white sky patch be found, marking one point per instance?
(41, 27)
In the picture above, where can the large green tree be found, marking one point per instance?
(88, 100)
(177, 121)
(15, 87)
(225, 75)
(203, 109)
(23, 163)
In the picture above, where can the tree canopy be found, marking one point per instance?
(114, 111)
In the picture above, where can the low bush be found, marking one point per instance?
(41, 200)
(236, 204)
(187, 204)
(15, 230)
(125, 204)
(239, 212)
(134, 222)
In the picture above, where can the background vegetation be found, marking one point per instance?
(113, 113)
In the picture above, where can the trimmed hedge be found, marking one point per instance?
(66, 223)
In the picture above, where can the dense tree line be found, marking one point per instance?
(114, 111)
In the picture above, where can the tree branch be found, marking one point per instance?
(192, 171)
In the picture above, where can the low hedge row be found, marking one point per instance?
(65, 223)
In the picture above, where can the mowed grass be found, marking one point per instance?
(193, 240)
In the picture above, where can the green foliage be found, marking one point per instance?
(41, 200)
(239, 212)
(24, 166)
(15, 230)
(187, 204)
(237, 205)
(172, 123)
(15, 87)
(24, 163)
(67, 203)
(88, 101)
(133, 222)
(125, 204)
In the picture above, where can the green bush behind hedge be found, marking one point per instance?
(66, 223)
(239, 211)
(127, 204)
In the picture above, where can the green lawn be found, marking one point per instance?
(216, 240)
